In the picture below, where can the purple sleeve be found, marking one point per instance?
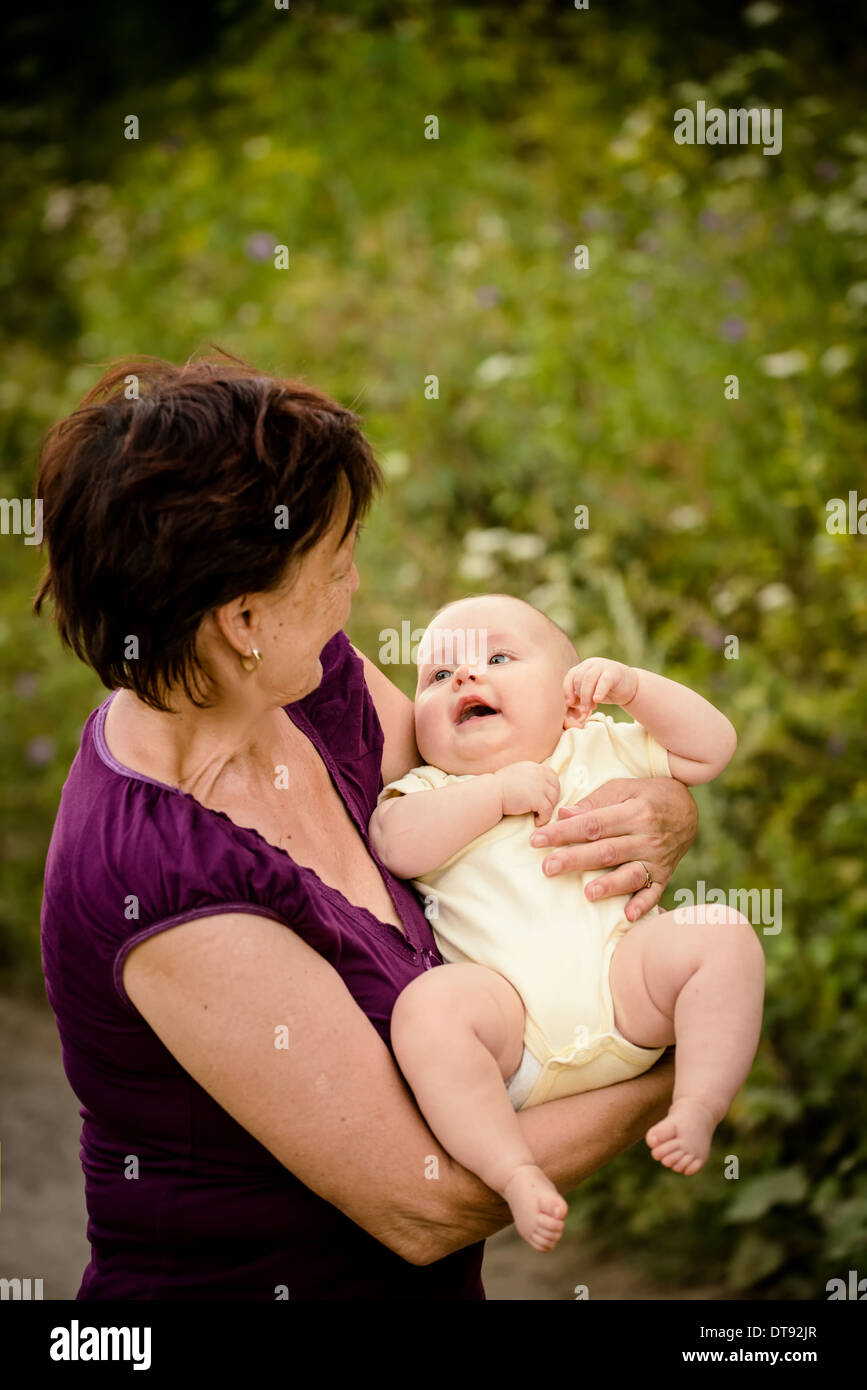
(342, 718)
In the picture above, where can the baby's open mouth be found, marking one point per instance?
(476, 710)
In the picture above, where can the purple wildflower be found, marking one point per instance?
(733, 328)
(827, 170)
(259, 247)
(646, 241)
(40, 750)
(595, 218)
(25, 685)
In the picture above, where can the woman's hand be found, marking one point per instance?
(629, 821)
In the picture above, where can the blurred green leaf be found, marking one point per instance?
(756, 1196)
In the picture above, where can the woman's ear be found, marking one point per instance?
(236, 623)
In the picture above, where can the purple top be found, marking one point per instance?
(212, 1214)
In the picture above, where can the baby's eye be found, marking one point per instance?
(505, 655)
(436, 675)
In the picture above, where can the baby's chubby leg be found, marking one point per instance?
(695, 976)
(457, 1032)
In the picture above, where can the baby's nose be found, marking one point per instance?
(464, 673)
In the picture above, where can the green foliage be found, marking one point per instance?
(557, 387)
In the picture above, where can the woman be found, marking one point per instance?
(222, 948)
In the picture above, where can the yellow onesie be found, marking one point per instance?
(491, 904)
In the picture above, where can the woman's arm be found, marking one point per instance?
(332, 1107)
(395, 712)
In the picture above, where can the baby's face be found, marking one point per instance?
(488, 654)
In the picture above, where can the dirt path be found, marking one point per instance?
(42, 1213)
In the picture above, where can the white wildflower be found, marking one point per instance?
(761, 13)
(783, 364)
(685, 519)
(524, 546)
(408, 575)
(257, 147)
(835, 360)
(725, 602)
(842, 214)
(773, 596)
(857, 294)
(466, 255)
(491, 227)
(59, 207)
(395, 464)
(476, 566)
(498, 367)
(486, 542)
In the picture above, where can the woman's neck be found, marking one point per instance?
(193, 748)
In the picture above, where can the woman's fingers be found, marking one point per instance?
(573, 826)
(617, 826)
(629, 878)
(600, 854)
(642, 902)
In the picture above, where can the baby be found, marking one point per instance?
(546, 992)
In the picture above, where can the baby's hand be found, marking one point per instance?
(528, 787)
(599, 681)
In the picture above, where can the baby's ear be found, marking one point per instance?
(570, 716)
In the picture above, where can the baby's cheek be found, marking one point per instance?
(428, 736)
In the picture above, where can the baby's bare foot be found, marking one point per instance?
(682, 1140)
(536, 1205)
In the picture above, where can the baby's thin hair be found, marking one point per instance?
(567, 646)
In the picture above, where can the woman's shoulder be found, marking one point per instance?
(127, 852)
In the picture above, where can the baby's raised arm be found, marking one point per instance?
(699, 738)
(416, 833)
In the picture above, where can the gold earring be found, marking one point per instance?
(248, 662)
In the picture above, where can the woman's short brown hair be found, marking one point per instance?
(171, 490)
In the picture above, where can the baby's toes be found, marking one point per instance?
(688, 1165)
(549, 1225)
(546, 1239)
(658, 1134)
(554, 1206)
(663, 1151)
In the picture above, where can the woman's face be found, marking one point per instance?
(294, 622)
